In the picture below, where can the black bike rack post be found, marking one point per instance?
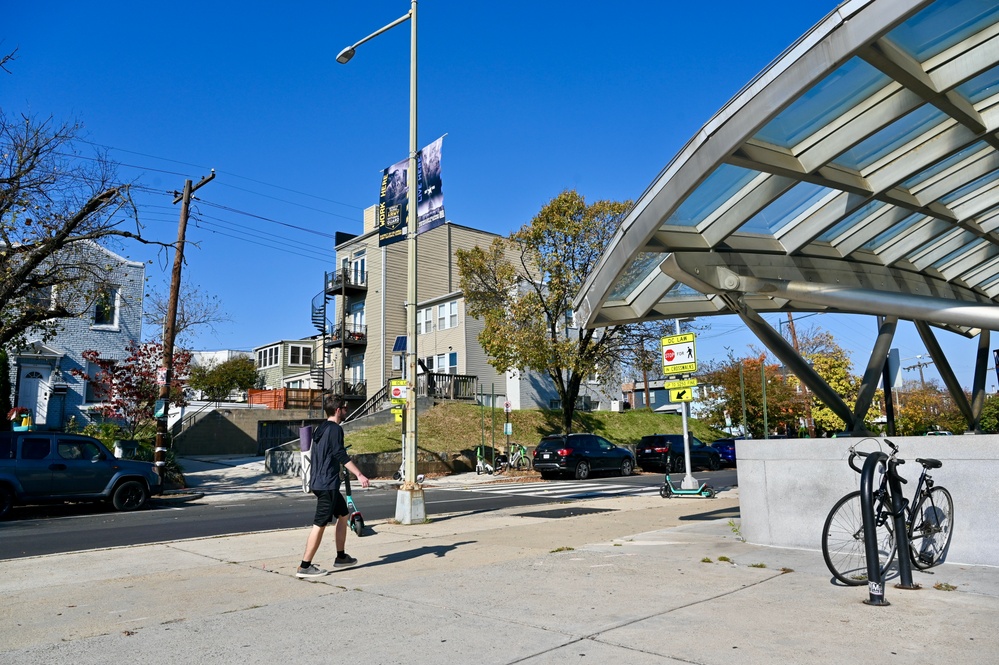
(875, 582)
(901, 534)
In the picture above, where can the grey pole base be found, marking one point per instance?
(410, 507)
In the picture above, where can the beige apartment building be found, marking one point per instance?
(362, 315)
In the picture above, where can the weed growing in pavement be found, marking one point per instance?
(562, 549)
(943, 586)
(725, 559)
(706, 560)
(757, 565)
(786, 570)
(737, 530)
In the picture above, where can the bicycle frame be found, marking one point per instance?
(481, 465)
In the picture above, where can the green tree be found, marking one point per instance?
(522, 289)
(989, 422)
(217, 381)
(722, 394)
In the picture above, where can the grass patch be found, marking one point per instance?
(725, 559)
(943, 586)
(453, 427)
(707, 559)
(757, 565)
(562, 549)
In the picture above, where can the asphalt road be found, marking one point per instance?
(39, 530)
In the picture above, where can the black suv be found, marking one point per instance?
(579, 454)
(42, 467)
(664, 452)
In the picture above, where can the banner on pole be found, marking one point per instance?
(393, 197)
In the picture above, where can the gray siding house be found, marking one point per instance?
(41, 372)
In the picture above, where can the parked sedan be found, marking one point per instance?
(664, 452)
(579, 455)
(725, 448)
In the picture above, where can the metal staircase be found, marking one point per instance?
(318, 369)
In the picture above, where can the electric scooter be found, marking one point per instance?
(668, 490)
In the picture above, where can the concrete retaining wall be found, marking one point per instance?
(787, 487)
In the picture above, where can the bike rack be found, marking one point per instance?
(875, 581)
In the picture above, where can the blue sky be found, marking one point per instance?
(535, 97)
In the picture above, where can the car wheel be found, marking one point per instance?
(627, 467)
(130, 495)
(6, 501)
(582, 470)
(715, 464)
(679, 466)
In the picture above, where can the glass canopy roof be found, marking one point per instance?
(862, 164)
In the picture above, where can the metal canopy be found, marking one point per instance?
(858, 173)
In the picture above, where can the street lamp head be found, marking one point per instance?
(344, 56)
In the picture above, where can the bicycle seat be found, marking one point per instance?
(930, 463)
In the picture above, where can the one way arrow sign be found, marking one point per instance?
(681, 395)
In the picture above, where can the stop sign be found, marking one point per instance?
(396, 391)
(669, 355)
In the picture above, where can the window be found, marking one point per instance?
(73, 449)
(453, 308)
(441, 317)
(35, 448)
(299, 355)
(106, 308)
(424, 321)
(94, 393)
(452, 363)
(269, 357)
(429, 362)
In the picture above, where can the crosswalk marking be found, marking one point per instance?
(565, 490)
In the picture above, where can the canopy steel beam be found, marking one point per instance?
(875, 367)
(946, 373)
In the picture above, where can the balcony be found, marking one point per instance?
(349, 336)
(349, 282)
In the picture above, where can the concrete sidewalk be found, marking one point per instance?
(628, 581)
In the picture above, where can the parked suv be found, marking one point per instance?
(579, 454)
(664, 452)
(43, 467)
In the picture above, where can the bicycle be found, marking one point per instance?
(928, 525)
(519, 460)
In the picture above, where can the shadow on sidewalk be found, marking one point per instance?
(398, 557)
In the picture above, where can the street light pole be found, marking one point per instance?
(410, 505)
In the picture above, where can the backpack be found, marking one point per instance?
(307, 459)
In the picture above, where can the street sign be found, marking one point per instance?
(161, 376)
(679, 383)
(507, 407)
(678, 354)
(681, 395)
(398, 391)
(508, 429)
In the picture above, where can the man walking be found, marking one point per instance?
(328, 453)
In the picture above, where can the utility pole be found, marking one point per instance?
(809, 423)
(920, 366)
(164, 376)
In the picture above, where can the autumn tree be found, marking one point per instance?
(128, 390)
(522, 289)
(218, 380)
(924, 406)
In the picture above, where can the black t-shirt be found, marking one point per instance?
(328, 454)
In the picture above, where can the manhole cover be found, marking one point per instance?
(566, 512)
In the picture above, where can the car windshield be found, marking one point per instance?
(551, 444)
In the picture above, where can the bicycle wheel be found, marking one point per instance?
(843, 542)
(930, 528)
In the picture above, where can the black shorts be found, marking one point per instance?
(330, 505)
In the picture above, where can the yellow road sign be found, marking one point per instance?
(398, 391)
(681, 395)
(678, 354)
(679, 383)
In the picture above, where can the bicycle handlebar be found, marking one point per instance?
(893, 460)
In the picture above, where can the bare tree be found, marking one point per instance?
(195, 309)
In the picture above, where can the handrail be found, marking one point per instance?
(369, 405)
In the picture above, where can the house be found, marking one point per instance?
(41, 371)
(361, 315)
(286, 363)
